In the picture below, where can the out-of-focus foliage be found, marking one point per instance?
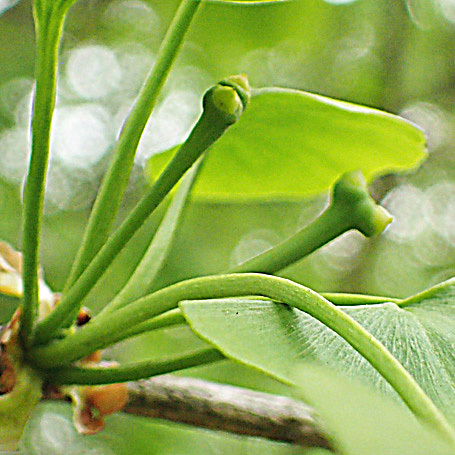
(358, 418)
(51, 432)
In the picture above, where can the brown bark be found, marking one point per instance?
(226, 408)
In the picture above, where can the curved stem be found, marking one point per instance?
(351, 207)
(167, 319)
(338, 298)
(114, 183)
(428, 293)
(133, 371)
(100, 331)
(48, 31)
(223, 106)
(151, 263)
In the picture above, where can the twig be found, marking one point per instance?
(226, 408)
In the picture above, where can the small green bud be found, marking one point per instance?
(351, 195)
(226, 101)
(241, 84)
(229, 98)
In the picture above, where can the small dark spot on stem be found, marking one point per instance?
(83, 317)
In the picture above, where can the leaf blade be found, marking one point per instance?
(291, 144)
(277, 340)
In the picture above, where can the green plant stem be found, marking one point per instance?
(48, 31)
(222, 107)
(351, 207)
(428, 293)
(133, 371)
(338, 298)
(100, 331)
(167, 319)
(328, 226)
(116, 179)
(147, 270)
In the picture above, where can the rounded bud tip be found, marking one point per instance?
(227, 101)
(229, 98)
(242, 86)
(350, 187)
(351, 197)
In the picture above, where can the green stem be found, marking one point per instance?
(48, 31)
(351, 208)
(100, 331)
(222, 106)
(428, 293)
(338, 298)
(325, 228)
(134, 371)
(167, 319)
(144, 275)
(116, 179)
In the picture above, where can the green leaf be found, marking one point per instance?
(290, 144)
(51, 432)
(362, 422)
(278, 339)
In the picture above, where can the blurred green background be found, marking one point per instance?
(396, 55)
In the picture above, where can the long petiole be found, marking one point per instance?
(351, 207)
(114, 183)
(100, 331)
(341, 298)
(147, 270)
(48, 26)
(168, 319)
(133, 371)
(427, 293)
(223, 105)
